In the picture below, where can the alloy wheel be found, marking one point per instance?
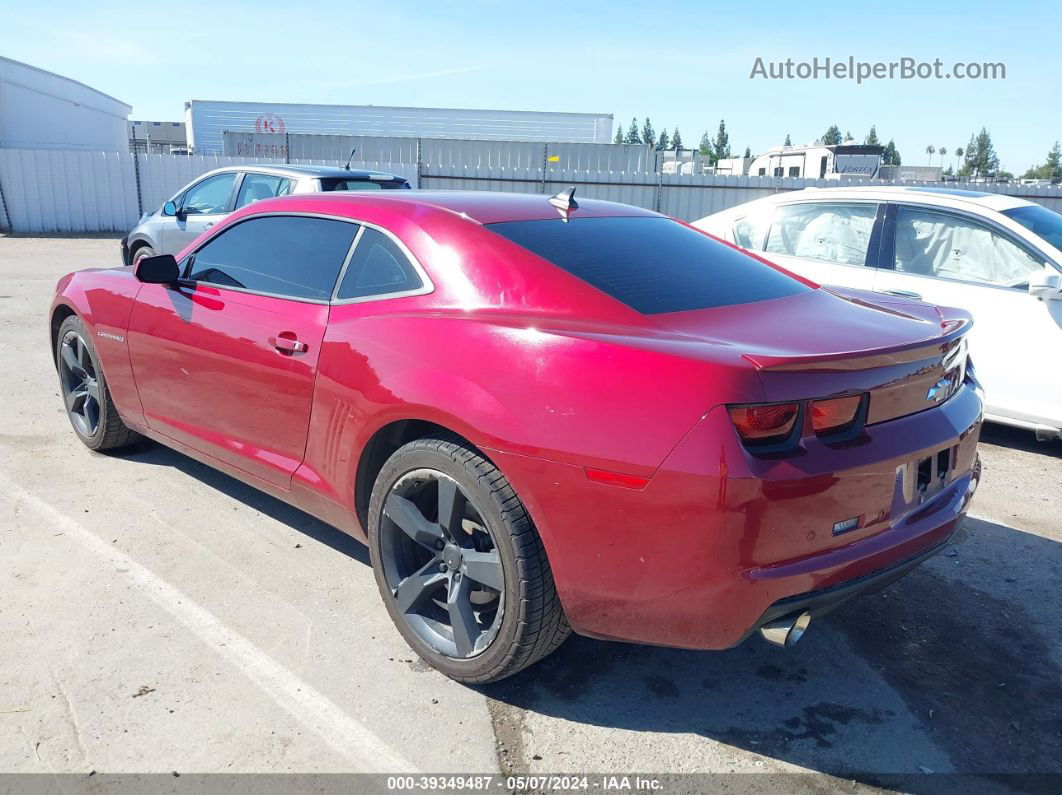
(441, 564)
(80, 384)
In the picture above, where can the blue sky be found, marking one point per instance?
(682, 63)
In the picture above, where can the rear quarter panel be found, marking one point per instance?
(586, 400)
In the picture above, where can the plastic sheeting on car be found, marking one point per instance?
(944, 245)
(821, 231)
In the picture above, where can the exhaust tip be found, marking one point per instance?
(785, 632)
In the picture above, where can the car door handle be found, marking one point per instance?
(905, 294)
(208, 225)
(288, 345)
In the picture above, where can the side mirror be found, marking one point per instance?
(160, 269)
(169, 208)
(1045, 285)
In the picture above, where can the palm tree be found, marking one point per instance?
(943, 151)
(931, 150)
(958, 156)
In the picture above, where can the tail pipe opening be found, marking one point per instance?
(786, 631)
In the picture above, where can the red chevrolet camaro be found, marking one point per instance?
(541, 414)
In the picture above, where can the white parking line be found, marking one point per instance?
(365, 750)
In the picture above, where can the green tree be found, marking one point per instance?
(632, 133)
(832, 136)
(721, 144)
(619, 135)
(788, 140)
(1051, 169)
(929, 151)
(958, 156)
(891, 155)
(872, 137)
(664, 142)
(648, 133)
(748, 152)
(981, 157)
(848, 136)
(1054, 163)
(676, 140)
(705, 147)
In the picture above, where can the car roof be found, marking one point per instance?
(295, 170)
(485, 207)
(954, 197)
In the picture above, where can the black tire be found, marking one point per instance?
(529, 621)
(141, 252)
(83, 385)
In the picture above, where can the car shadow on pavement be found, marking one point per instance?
(1019, 439)
(150, 453)
(954, 668)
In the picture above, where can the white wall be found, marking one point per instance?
(41, 110)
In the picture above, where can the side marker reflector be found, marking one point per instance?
(616, 478)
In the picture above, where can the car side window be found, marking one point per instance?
(949, 246)
(294, 256)
(256, 187)
(378, 267)
(209, 196)
(751, 231)
(832, 232)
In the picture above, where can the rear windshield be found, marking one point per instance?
(354, 183)
(653, 265)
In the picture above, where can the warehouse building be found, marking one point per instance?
(43, 110)
(157, 137)
(207, 122)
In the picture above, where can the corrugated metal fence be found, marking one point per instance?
(446, 153)
(78, 191)
(681, 196)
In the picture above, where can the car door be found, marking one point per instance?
(225, 360)
(200, 207)
(954, 259)
(829, 242)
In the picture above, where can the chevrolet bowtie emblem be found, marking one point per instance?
(939, 390)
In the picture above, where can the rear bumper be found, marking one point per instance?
(819, 603)
(719, 541)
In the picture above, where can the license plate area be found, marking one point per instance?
(926, 477)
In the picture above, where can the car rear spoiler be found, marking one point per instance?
(954, 324)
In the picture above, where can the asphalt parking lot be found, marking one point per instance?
(159, 616)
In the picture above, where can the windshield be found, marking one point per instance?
(651, 264)
(1040, 221)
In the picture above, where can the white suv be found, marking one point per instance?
(999, 257)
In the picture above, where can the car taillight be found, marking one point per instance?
(764, 423)
(834, 414)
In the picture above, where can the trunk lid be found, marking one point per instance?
(908, 355)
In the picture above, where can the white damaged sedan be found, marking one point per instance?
(999, 257)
